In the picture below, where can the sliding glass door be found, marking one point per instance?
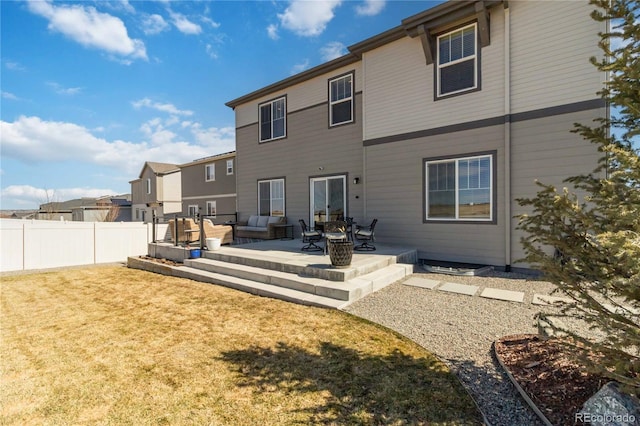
(328, 198)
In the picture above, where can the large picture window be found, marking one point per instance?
(341, 100)
(460, 189)
(457, 61)
(273, 119)
(271, 197)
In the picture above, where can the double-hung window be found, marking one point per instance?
(457, 65)
(148, 186)
(271, 197)
(341, 100)
(211, 208)
(273, 119)
(460, 189)
(229, 167)
(210, 172)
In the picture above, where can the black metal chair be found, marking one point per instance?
(366, 236)
(310, 238)
(349, 221)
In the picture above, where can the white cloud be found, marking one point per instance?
(308, 18)
(210, 21)
(14, 66)
(168, 108)
(64, 90)
(31, 197)
(332, 50)
(184, 25)
(370, 7)
(272, 32)
(211, 51)
(90, 28)
(154, 24)
(300, 67)
(31, 139)
(8, 95)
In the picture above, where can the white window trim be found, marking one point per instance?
(230, 167)
(270, 103)
(349, 99)
(215, 208)
(206, 175)
(284, 195)
(194, 207)
(148, 185)
(457, 61)
(457, 218)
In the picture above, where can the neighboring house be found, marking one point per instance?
(111, 208)
(434, 127)
(158, 188)
(209, 187)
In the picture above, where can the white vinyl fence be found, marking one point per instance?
(41, 244)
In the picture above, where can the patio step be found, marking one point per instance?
(346, 290)
(281, 285)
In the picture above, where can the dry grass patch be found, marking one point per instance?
(112, 345)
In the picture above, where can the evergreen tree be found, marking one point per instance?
(589, 244)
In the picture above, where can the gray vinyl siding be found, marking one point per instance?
(310, 145)
(395, 196)
(545, 149)
(197, 191)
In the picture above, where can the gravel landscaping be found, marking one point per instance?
(461, 329)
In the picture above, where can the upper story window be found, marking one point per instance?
(341, 100)
(210, 172)
(460, 189)
(229, 167)
(457, 65)
(273, 119)
(149, 186)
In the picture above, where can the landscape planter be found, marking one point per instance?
(340, 253)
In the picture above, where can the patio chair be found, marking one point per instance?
(335, 230)
(310, 238)
(349, 221)
(366, 235)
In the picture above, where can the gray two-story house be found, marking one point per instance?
(209, 187)
(434, 127)
(157, 189)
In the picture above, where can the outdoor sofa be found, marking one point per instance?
(261, 227)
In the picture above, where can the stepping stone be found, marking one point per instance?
(508, 295)
(469, 290)
(543, 299)
(422, 283)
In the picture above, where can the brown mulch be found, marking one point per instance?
(555, 383)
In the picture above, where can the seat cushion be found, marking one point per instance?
(253, 221)
(262, 221)
(274, 219)
(363, 233)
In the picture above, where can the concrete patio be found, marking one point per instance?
(279, 269)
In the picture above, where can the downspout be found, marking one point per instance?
(364, 137)
(507, 138)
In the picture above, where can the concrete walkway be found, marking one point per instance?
(489, 293)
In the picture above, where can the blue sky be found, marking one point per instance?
(93, 89)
